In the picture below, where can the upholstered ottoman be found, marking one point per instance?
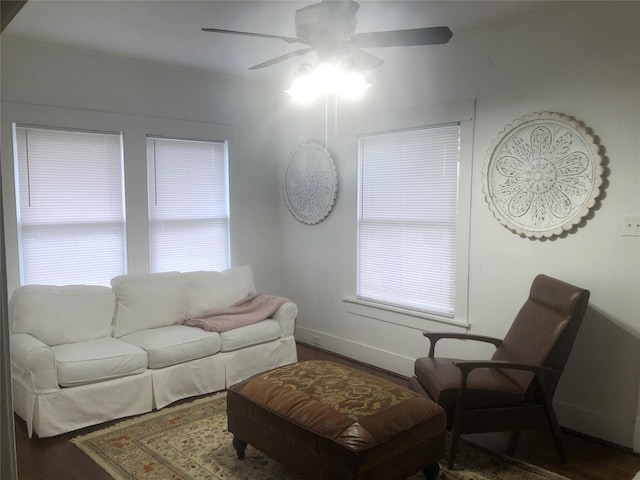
(330, 422)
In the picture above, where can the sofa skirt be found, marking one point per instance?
(72, 408)
(244, 363)
(67, 409)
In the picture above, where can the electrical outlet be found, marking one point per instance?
(631, 225)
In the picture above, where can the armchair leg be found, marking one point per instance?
(458, 421)
(555, 431)
(557, 439)
(453, 445)
(432, 471)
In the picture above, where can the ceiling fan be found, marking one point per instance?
(328, 28)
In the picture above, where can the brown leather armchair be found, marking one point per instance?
(514, 390)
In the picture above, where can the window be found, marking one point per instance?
(70, 206)
(188, 205)
(407, 219)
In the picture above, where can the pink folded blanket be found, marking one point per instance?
(251, 309)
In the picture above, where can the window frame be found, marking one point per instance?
(433, 224)
(153, 192)
(134, 129)
(121, 225)
(463, 113)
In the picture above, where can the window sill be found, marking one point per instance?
(397, 315)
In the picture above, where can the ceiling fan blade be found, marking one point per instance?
(403, 38)
(365, 60)
(252, 34)
(281, 58)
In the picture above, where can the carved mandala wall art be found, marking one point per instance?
(310, 183)
(542, 175)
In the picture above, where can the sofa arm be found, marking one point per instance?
(33, 363)
(286, 317)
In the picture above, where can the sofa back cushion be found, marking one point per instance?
(57, 315)
(148, 301)
(208, 291)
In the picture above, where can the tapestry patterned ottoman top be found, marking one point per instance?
(352, 407)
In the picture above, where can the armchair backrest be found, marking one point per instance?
(544, 330)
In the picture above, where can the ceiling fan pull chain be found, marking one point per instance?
(326, 121)
(335, 116)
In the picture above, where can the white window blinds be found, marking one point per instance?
(188, 205)
(407, 203)
(71, 223)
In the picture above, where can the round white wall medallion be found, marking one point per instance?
(310, 183)
(542, 175)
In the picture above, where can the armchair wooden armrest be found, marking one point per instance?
(435, 337)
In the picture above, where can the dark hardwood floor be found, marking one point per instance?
(57, 458)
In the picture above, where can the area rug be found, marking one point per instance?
(191, 442)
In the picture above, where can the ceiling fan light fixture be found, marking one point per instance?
(327, 78)
(303, 88)
(353, 83)
(353, 86)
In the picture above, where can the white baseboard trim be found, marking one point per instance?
(383, 359)
(595, 425)
(580, 420)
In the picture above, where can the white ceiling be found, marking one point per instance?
(168, 31)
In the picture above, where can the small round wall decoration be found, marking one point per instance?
(542, 175)
(310, 183)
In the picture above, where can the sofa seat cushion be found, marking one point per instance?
(261, 332)
(174, 344)
(97, 360)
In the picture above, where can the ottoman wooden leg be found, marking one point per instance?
(432, 471)
(240, 446)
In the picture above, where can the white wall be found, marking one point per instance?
(580, 59)
(57, 86)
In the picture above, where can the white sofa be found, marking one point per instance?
(82, 355)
